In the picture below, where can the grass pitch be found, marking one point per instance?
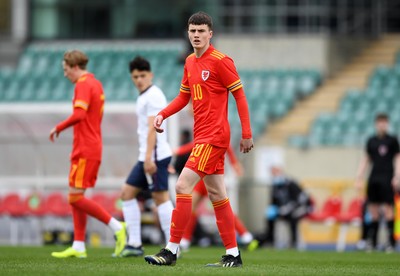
(37, 261)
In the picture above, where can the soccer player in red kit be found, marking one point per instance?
(209, 76)
(200, 192)
(88, 104)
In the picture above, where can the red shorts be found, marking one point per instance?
(206, 159)
(200, 188)
(83, 173)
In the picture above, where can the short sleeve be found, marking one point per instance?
(82, 95)
(155, 103)
(185, 88)
(229, 75)
(396, 145)
(368, 148)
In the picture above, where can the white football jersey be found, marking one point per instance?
(149, 103)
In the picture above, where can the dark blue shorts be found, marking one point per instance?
(137, 177)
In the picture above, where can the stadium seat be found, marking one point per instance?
(57, 224)
(57, 205)
(15, 208)
(14, 205)
(330, 210)
(353, 216)
(116, 206)
(36, 204)
(104, 200)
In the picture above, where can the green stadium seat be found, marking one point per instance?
(11, 92)
(298, 141)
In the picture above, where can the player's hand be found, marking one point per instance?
(395, 182)
(358, 184)
(149, 167)
(246, 145)
(171, 169)
(157, 123)
(53, 133)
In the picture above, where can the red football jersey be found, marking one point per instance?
(209, 79)
(89, 96)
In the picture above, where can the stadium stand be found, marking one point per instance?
(39, 78)
(352, 124)
(367, 72)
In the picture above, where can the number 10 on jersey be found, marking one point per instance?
(197, 92)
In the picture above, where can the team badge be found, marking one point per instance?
(205, 74)
(382, 150)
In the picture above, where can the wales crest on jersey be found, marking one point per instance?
(205, 74)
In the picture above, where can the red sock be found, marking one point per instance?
(90, 207)
(225, 222)
(239, 226)
(190, 227)
(180, 217)
(80, 218)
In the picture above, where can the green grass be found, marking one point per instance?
(37, 261)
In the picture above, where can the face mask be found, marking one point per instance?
(278, 180)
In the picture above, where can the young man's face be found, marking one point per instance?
(142, 79)
(71, 73)
(382, 126)
(199, 35)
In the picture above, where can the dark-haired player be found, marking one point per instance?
(151, 170)
(209, 77)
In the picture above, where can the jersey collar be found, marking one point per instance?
(144, 91)
(208, 52)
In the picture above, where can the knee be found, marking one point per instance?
(160, 197)
(127, 194)
(74, 197)
(182, 188)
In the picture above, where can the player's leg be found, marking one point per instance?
(373, 209)
(79, 218)
(180, 216)
(199, 192)
(83, 175)
(389, 216)
(224, 218)
(388, 211)
(161, 196)
(373, 199)
(293, 222)
(135, 182)
(132, 217)
(164, 211)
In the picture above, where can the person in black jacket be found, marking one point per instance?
(288, 202)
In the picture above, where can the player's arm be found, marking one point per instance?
(81, 105)
(149, 165)
(361, 170)
(246, 144)
(396, 176)
(230, 79)
(176, 105)
(78, 115)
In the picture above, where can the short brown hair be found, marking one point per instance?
(381, 117)
(76, 58)
(201, 18)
